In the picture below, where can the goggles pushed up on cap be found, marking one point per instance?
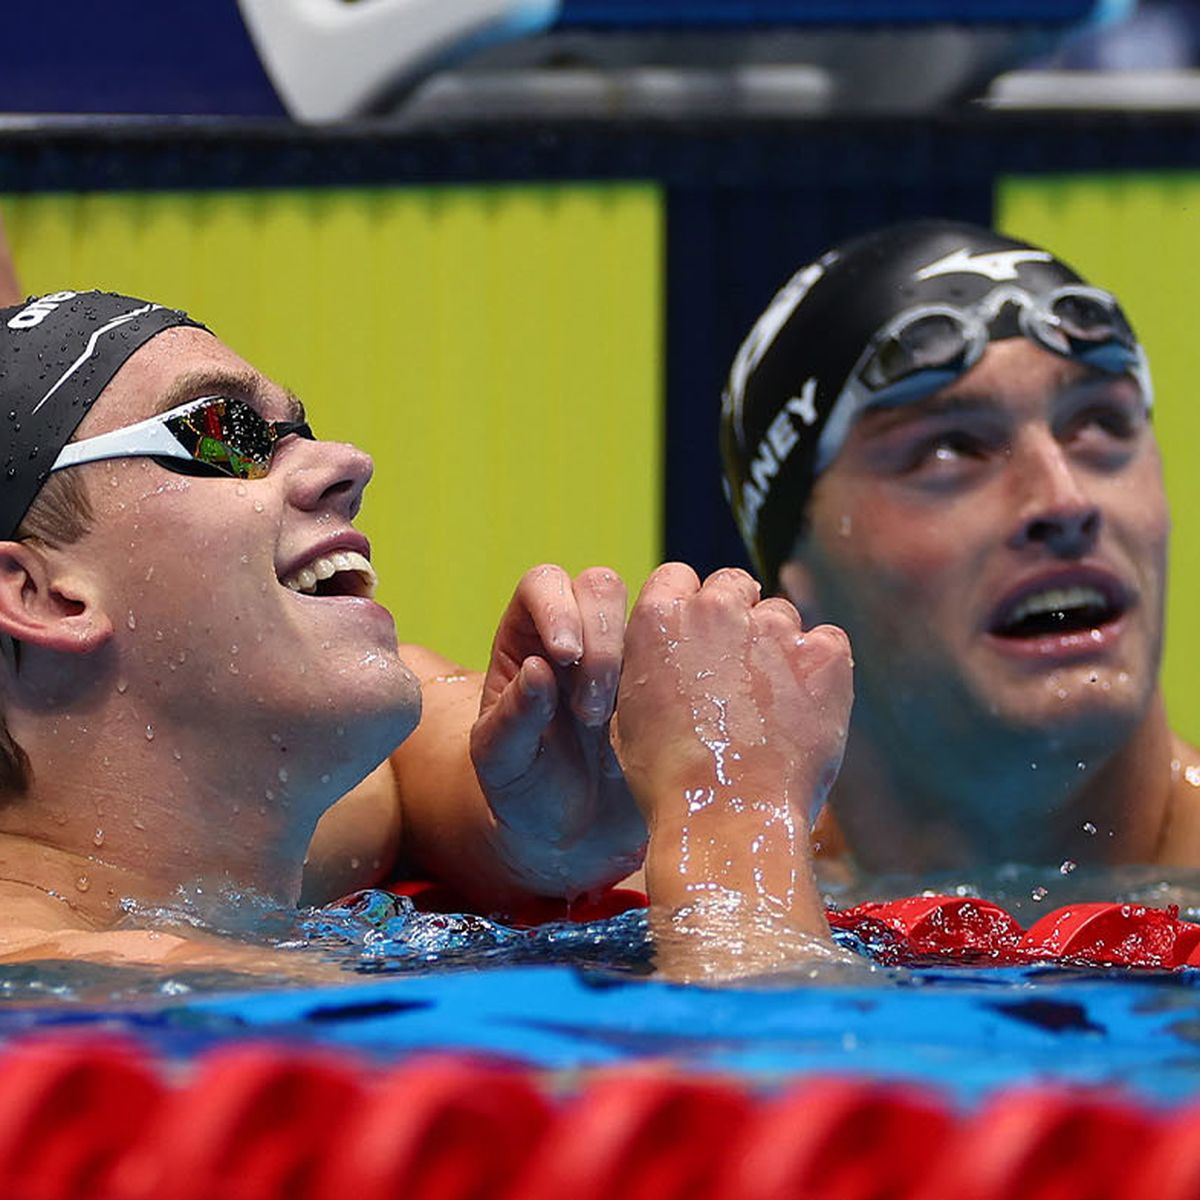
(214, 435)
(931, 345)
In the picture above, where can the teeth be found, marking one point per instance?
(1057, 600)
(305, 580)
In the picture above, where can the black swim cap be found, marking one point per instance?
(57, 353)
(796, 360)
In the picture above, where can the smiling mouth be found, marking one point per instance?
(342, 573)
(1058, 610)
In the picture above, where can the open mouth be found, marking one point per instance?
(342, 573)
(1058, 610)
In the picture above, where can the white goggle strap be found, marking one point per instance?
(146, 438)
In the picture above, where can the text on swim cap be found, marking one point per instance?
(759, 340)
(773, 450)
(38, 310)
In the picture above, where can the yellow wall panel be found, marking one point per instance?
(497, 349)
(1138, 235)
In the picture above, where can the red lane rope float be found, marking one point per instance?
(92, 1121)
(971, 930)
(69, 1110)
(252, 1125)
(1120, 934)
(637, 1137)
(1169, 1166)
(1039, 1145)
(838, 1139)
(436, 1129)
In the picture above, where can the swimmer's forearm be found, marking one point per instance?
(449, 833)
(733, 893)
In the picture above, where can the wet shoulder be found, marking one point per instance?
(1182, 841)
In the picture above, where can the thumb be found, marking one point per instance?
(506, 740)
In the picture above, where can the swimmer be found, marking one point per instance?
(940, 438)
(183, 700)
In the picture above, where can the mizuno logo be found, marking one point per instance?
(1000, 265)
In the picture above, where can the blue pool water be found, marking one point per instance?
(565, 998)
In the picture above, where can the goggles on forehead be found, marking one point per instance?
(931, 345)
(214, 435)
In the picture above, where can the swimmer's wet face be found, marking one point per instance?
(205, 580)
(998, 550)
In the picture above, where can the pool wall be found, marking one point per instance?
(529, 324)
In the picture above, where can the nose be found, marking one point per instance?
(328, 476)
(1056, 513)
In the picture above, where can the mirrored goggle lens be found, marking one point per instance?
(226, 436)
(935, 341)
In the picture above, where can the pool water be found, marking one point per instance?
(571, 997)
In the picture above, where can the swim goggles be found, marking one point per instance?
(931, 345)
(214, 435)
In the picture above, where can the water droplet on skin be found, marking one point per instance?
(1067, 866)
(149, 733)
(355, 864)
(283, 775)
(1038, 894)
(1033, 766)
(240, 489)
(98, 838)
(258, 506)
(1081, 766)
(233, 669)
(131, 620)
(845, 525)
(138, 823)
(177, 755)
(158, 635)
(233, 649)
(245, 559)
(122, 686)
(82, 883)
(324, 778)
(1089, 829)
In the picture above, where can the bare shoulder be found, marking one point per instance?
(1183, 834)
(38, 937)
(429, 666)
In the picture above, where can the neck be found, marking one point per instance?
(953, 805)
(119, 808)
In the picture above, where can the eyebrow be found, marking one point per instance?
(220, 381)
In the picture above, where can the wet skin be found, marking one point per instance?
(166, 633)
(934, 522)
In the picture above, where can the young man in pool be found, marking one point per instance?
(194, 668)
(939, 438)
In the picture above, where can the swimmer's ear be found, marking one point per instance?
(43, 604)
(796, 583)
